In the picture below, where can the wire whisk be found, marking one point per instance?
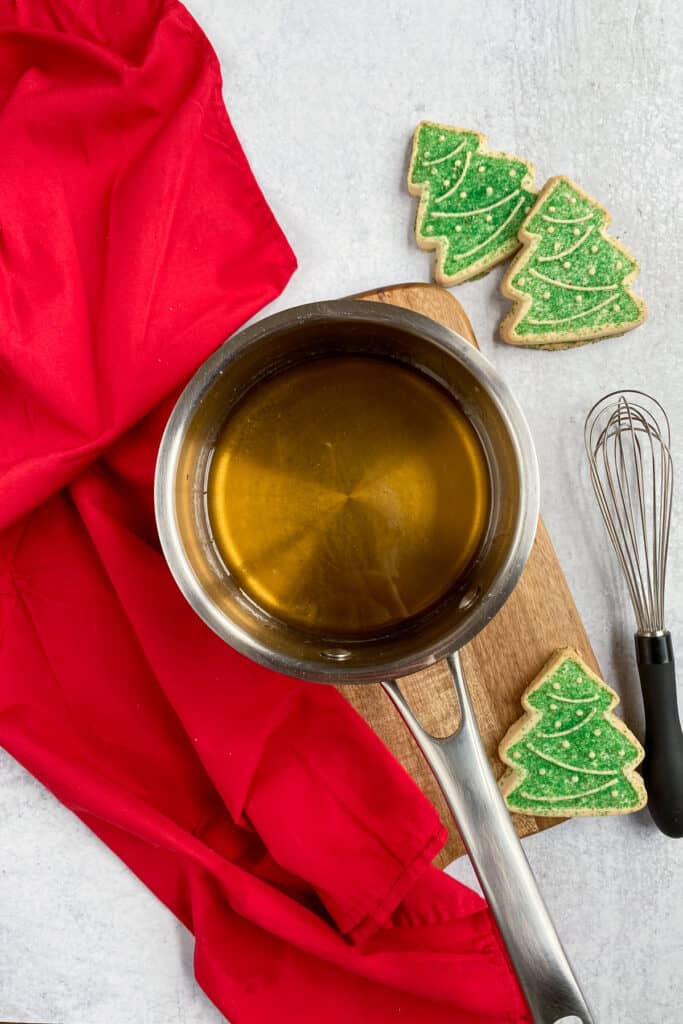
(628, 443)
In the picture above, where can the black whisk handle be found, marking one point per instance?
(663, 764)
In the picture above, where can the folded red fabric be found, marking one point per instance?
(261, 810)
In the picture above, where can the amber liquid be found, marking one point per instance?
(348, 494)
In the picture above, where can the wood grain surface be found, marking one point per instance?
(501, 661)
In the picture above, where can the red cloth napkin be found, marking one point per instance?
(261, 810)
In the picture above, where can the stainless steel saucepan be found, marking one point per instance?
(458, 762)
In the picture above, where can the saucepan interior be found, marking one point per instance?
(295, 336)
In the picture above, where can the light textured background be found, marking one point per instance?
(324, 96)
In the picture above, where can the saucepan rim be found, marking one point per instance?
(365, 312)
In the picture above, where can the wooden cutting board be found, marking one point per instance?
(501, 661)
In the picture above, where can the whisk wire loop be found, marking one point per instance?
(627, 436)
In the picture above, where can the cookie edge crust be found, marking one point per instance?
(526, 723)
(559, 340)
(439, 243)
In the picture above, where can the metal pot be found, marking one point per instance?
(459, 762)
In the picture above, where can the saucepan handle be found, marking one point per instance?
(462, 770)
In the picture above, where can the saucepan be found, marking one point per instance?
(354, 327)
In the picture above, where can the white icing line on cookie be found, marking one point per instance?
(440, 159)
(574, 316)
(566, 220)
(573, 287)
(457, 184)
(571, 249)
(579, 725)
(481, 209)
(571, 796)
(493, 234)
(569, 767)
(576, 700)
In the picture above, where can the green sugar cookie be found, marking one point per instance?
(569, 755)
(571, 281)
(472, 202)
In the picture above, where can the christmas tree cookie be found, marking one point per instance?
(472, 202)
(571, 283)
(569, 755)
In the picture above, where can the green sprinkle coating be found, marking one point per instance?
(569, 755)
(571, 281)
(472, 202)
